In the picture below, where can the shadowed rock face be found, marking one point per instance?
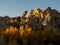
(36, 18)
(5, 21)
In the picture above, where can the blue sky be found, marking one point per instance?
(16, 7)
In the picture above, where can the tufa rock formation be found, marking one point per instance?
(36, 19)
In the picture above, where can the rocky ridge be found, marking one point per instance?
(36, 19)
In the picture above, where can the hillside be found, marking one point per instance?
(38, 28)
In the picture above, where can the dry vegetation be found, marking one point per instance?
(21, 36)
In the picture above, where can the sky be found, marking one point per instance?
(14, 8)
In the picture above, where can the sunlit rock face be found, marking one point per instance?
(35, 18)
(46, 18)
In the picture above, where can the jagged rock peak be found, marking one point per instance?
(47, 10)
(24, 14)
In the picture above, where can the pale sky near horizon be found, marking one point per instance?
(16, 7)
